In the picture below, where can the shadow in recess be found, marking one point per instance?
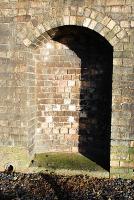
(96, 56)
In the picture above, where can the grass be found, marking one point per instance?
(67, 161)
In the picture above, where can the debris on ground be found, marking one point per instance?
(49, 186)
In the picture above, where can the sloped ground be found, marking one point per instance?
(49, 186)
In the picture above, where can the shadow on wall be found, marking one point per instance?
(96, 56)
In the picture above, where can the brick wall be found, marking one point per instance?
(58, 98)
(12, 88)
(23, 25)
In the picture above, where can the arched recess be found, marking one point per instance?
(74, 91)
(33, 37)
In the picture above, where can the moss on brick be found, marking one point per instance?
(131, 150)
(117, 170)
(117, 149)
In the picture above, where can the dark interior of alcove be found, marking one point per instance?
(96, 56)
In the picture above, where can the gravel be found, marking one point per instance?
(49, 186)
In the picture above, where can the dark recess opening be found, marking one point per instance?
(96, 56)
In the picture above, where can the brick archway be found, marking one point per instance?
(34, 35)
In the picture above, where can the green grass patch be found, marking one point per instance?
(69, 161)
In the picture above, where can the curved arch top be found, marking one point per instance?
(90, 18)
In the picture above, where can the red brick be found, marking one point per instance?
(71, 71)
(67, 65)
(67, 77)
(47, 101)
(78, 71)
(74, 136)
(59, 101)
(56, 119)
(41, 119)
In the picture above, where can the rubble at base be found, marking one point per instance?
(49, 186)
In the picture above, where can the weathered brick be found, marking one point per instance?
(132, 24)
(111, 24)
(92, 24)
(114, 41)
(115, 2)
(131, 143)
(126, 9)
(4, 29)
(75, 149)
(110, 36)
(64, 130)
(72, 20)
(72, 107)
(127, 62)
(128, 46)
(22, 18)
(66, 20)
(121, 34)
(86, 22)
(105, 21)
(93, 14)
(4, 47)
(80, 20)
(80, 11)
(114, 163)
(73, 10)
(104, 31)
(124, 164)
(125, 24)
(66, 11)
(118, 61)
(87, 12)
(27, 42)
